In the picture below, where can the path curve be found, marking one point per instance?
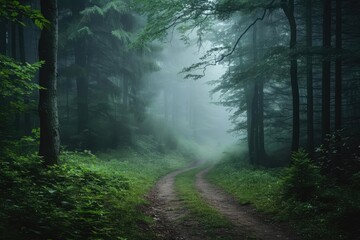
(167, 210)
(244, 218)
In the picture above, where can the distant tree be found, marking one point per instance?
(326, 71)
(48, 112)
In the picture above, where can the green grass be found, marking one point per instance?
(86, 197)
(330, 212)
(208, 217)
(261, 188)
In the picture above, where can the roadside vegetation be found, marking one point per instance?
(86, 197)
(300, 194)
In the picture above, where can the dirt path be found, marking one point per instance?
(243, 217)
(168, 211)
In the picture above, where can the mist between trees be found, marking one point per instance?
(271, 78)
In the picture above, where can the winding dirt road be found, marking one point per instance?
(168, 211)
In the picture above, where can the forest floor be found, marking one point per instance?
(174, 220)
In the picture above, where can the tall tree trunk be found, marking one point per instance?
(338, 66)
(249, 93)
(126, 92)
(309, 80)
(326, 71)
(3, 31)
(288, 8)
(49, 123)
(261, 137)
(82, 87)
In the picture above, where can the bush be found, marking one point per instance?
(302, 180)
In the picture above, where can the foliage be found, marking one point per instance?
(299, 194)
(302, 179)
(16, 84)
(14, 11)
(84, 198)
(16, 80)
(261, 188)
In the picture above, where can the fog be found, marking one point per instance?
(186, 104)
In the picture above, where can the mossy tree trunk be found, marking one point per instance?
(48, 113)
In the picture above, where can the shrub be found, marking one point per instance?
(302, 180)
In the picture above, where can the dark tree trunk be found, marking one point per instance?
(3, 32)
(126, 92)
(338, 67)
(261, 137)
(49, 123)
(249, 91)
(288, 8)
(82, 87)
(309, 80)
(326, 71)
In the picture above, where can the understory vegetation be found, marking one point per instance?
(300, 194)
(86, 197)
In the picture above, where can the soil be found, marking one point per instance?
(169, 212)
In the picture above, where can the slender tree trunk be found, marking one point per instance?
(309, 80)
(288, 8)
(49, 123)
(249, 92)
(261, 137)
(338, 66)
(126, 92)
(3, 31)
(326, 71)
(82, 87)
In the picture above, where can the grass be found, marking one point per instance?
(261, 188)
(208, 217)
(328, 212)
(86, 197)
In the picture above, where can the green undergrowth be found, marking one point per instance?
(86, 197)
(315, 206)
(261, 188)
(200, 211)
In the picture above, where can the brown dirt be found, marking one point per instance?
(242, 217)
(168, 211)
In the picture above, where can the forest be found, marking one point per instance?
(179, 119)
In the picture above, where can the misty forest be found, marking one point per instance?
(179, 119)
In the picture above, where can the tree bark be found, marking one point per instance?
(3, 32)
(49, 123)
(82, 87)
(326, 71)
(309, 80)
(338, 67)
(288, 8)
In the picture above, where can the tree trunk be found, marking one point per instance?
(326, 71)
(126, 92)
(288, 9)
(309, 80)
(3, 32)
(82, 87)
(49, 123)
(338, 67)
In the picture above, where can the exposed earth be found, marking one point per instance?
(169, 212)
